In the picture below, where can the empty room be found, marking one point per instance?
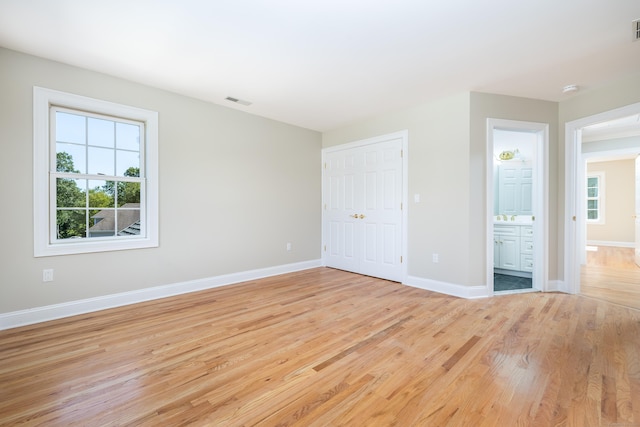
(316, 213)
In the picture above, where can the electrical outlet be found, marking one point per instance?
(288, 246)
(47, 275)
(435, 258)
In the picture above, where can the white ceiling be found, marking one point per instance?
(323, 64)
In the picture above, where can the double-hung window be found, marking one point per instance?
(95, 172)
(595, 198)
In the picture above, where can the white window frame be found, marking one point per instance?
(600, 198)
(44, 203)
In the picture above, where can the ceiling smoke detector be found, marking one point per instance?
(635, 27)
(237, 101)
(570, 88)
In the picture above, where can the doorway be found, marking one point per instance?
(516, 187)
(364, 199)
(596, 263)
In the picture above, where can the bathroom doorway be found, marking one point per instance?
(516, 208)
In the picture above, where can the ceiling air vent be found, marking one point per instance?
(237, 101)
(636, 30)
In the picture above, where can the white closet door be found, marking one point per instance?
(363, 212)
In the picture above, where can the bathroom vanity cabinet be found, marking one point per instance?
(513, 247)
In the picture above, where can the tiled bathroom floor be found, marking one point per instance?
(503, 282)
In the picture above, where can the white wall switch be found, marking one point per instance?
(416, 198)
(435, 258)
(288, 246)
(47, 275)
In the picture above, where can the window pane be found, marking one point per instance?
(592, 204)
(129, 192)
(592, 181)
(71, 223)
(101, 132)
(127, 136)
(101, 161)
(101, 194)
(71, 158)
(128, 221)
(128, 163)
(592, 192)
(71, 193)
(70, 128)
(592, 214)
(102, 223)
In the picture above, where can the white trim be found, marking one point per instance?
(404, 136)
(574, 221)
(541, 224)
(72, 308)
(461, 291)
(611, 243)
(42, 100)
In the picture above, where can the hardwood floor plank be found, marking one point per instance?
(611, 274)
(326, 347)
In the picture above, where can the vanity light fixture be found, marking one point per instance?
(506, 155)
(509, 155)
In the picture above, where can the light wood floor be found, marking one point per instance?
(611, 274)
(328, 348)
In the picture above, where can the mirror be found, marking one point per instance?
(513, 172)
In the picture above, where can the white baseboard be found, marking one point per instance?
(608, 243)
(72, 308)
(468, 292)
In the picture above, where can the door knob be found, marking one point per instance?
(354, 216)
(361, 216)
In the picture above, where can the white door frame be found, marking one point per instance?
(574, 221)
(404, 136)
(540, 225)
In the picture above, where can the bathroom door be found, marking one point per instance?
(362, 208)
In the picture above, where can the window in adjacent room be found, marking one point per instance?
(95, 171)
(595, 198)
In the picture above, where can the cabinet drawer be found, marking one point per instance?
(526, 262)
(526, 246)
(527, 231)
(506, 230)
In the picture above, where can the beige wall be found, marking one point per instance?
(619, 202)
(234, 189)
(438, 171)
(447, 157)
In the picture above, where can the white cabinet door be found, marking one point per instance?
(362, 209)
(510, 252)
(506, 247)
